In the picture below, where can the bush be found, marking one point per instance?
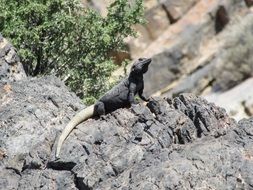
(62, 38)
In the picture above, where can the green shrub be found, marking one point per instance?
(62, 38)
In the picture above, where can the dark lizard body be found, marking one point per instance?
(120, 96)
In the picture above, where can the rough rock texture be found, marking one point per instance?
(31, 111)
(10, 67)
(180, 143)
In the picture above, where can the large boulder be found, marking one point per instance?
(10, 67)
(180, 143)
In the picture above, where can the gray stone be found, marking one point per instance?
(180, 143)
(10, 67)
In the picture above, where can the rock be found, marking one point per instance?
(149, 4)
(10, 67)
(179, 143)
(159, 16)
(136, 45)
(200, 49)
(156, 18)
(30, 110)
(226, 63)
(176, 9)
(237, 104)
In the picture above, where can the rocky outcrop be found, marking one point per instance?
(179, 143)
(10, 67)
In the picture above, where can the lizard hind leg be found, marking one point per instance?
(100, 108)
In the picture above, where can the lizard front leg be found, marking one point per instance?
(132, 90)
(140, 93)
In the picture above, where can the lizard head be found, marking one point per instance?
(141, 65)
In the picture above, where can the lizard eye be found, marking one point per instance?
(140, 59)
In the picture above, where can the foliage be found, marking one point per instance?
(62, 38)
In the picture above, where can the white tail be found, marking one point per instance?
(78, 118)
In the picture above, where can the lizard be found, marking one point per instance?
(120, 96)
